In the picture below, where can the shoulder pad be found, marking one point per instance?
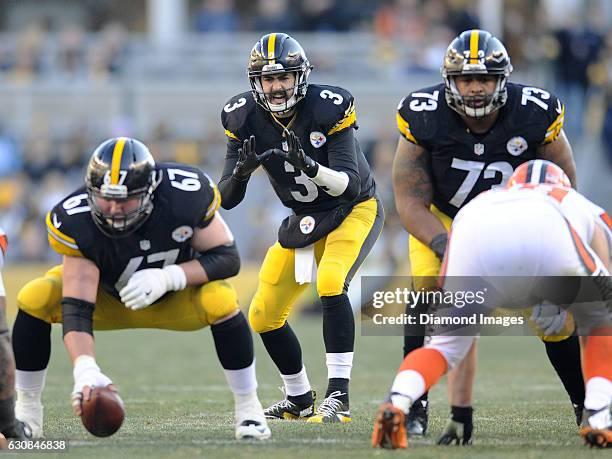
(333, 106)
(539, 108)
(418, 114)
(191, 193)
(67, 222)
(235, 113)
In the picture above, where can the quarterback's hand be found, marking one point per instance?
(148, 285)
(456, 432)
(549, 317)
(296, 156)
(248, 159)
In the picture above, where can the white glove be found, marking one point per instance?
(549, 317)
(86, 373)
(148, 285)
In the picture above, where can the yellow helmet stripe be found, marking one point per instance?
(116, 162)
(271, 46)
(474, 47)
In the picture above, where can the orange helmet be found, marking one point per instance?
(539, 171)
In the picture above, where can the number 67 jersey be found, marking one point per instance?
(184, 200)
(463, 163)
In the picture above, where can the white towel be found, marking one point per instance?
(304, 262)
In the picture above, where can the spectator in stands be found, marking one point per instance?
(217, 16)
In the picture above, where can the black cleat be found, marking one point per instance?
(417, 419)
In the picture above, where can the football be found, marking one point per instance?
(103, 413)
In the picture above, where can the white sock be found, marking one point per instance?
(598, 393)
(29, 385)
(296, 384)
(339, 364)
(409, 383)
(243, 381)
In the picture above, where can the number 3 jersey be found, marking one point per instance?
(324, 123)
(185, 199)
(464, 164)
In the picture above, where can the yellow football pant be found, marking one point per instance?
(188, 309)
(425, 267)
(338, 256)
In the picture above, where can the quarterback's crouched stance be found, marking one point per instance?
(303, 137)
(143, 247)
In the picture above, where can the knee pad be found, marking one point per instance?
(41, 297)
(218, 299)
(330, 278)
(259, 320)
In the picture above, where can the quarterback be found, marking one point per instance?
(458, 139)
(143, 247)
(539, 229)
(303, 137)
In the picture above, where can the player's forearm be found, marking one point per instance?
(232, 191)
(341, 177)
(419, 221)
(79, 343)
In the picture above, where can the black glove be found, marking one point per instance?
(438, 245)
(296, 156)
(248, 159)
(459, 428)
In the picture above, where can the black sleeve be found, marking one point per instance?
(232, 190)
(342, 157)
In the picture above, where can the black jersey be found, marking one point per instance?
(184, 200)
(465, 164)
(323, 118)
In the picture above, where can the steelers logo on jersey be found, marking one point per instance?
(182, 233)
(516, 145)
(317, 139)
(307, 224)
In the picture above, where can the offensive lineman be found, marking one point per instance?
(143, 247)
(460, 138)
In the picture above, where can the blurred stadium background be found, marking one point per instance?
(75, 72)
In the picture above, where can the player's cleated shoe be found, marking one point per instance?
(18, 431)
(417, 419)
(578, 412)
(286, 409)
(596, 427)
(31, 415)
(332, 410)
(389, 428)
(250, 421)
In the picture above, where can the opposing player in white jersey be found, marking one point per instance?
(538, 227)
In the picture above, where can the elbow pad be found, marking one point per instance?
(220, 262)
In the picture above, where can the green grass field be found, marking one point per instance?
(178, 404)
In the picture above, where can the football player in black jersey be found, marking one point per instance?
(460, 138)
(303, 137)
(143, 247)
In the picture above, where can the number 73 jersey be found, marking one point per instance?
(464, 164)
(185, 199)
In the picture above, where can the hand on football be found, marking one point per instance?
(296, 156)
(248, 159)
(82, 389)
(549, 317)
